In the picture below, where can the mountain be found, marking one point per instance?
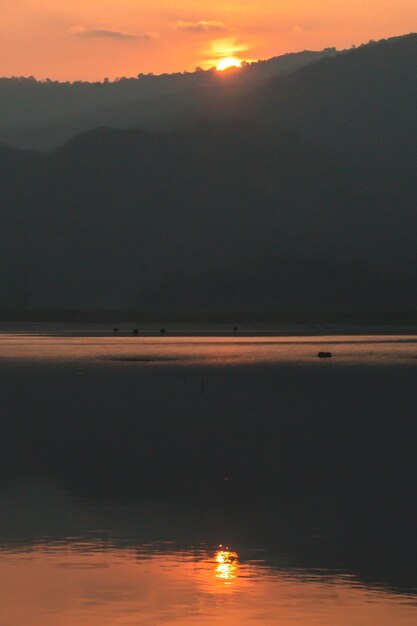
(45, 114)
(361, 103)
(261, 209)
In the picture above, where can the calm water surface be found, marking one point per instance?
(207, 350)
(207, 480)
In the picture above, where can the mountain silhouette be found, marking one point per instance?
(296, 197)
(45, 114)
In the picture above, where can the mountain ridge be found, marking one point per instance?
(62, 110)
(230, 213)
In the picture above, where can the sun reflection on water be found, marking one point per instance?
(226, 564)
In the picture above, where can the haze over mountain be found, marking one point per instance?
(44, 114)
(295, 195)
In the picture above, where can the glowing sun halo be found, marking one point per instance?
(224, 64)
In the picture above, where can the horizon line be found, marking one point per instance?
(105, 80)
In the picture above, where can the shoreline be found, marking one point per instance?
(168, 329)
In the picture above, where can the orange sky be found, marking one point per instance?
(91, 39)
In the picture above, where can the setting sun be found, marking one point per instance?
(224, 64)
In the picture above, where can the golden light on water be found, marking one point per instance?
(228, 62)
(226, 564)
(50, 585)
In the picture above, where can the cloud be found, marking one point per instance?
(211, 26)
(105, 33)
(227, 47)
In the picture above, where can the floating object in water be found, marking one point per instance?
(135, 331)
(235, 329)
(324, 355)
(162, 331)
(115, 330)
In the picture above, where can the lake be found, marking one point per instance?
(207, 476)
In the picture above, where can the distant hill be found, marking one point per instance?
(45, 114)
(363, 101)
(281, 202)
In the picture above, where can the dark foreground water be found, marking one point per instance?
(207, 480)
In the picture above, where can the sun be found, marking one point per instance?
(224, 64)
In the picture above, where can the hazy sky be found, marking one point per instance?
(91, 39)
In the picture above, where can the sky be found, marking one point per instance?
(94, 39)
